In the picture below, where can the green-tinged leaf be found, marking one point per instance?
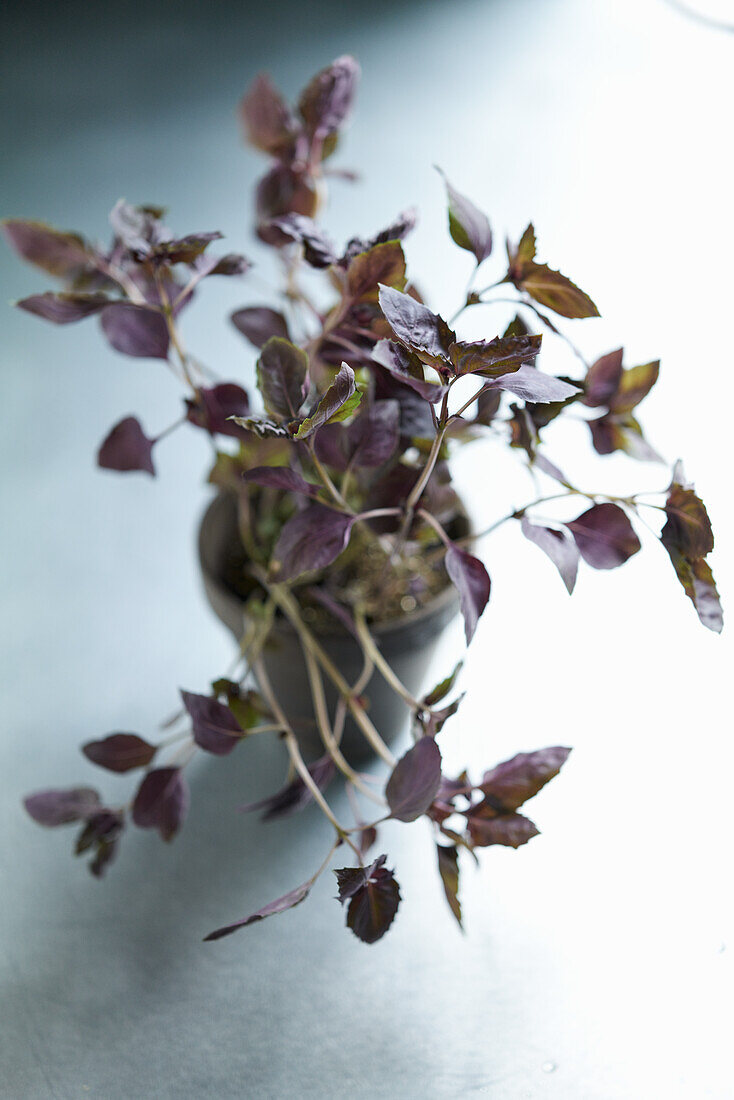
(516, 327)
(493, 358)
(688, 527)
(384, 263)
(635, 384)
(468, 226)
(282, 378)
(699, 585)
(448, 868)
(556, 291)
(611, 433)
(521, 256)
(339, 401)
(443, 688)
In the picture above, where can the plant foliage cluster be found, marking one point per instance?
(344, 460)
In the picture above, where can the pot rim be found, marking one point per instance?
(443, 599)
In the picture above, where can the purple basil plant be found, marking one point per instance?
(346, 509)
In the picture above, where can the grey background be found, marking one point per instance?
(595, 962)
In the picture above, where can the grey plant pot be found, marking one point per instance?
(408, 644)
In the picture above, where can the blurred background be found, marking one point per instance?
(598, 960)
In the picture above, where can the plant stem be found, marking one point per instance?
(294, 751)
(173, 334)
(370, 647)
(328, 483)
(327, 736)
(289, 606)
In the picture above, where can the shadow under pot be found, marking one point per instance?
(408, 644)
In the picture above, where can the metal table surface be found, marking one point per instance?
(595, 961)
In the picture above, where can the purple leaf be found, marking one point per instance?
(327, 99)
(281, 477)
(284, 190)
(337, 403)
(396, 231)
(533, 385)
(374, 903)
(282, 377)
(448, 868)
(162, 801)
(351, 879)
(603, 378)
(367, 837)
(560, 548)
(604, 536)
(127, 447)
(213, 407)
(514, 781)
(233, 263)
(414, 782)
(58, 253)
(510, 830)
(139, 331)
(63, 309)
(472, 583)
(488, 404)
(312, 539)
(318, 251)
(406, 368)
(493, 358)
(468, 226)
(288, 901)
(267, 119)
(295, 795)
(373, 436)
(60, 807)
(214, 727)
(259, 323)
(120, 752)
(416, 326)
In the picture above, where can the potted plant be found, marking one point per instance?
(336, 548)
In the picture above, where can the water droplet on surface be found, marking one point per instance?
(550, 1067)
(407, 603)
